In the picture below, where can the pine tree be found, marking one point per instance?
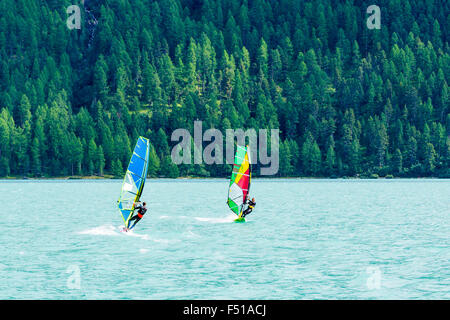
(330, 160)
(5, 152)
(100, 161)
(117, 169)
(397, 162)
(286, 169)
(168, 168)
(154, 163)
(430, 158)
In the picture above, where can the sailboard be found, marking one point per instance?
(240, 182)
(134, 180)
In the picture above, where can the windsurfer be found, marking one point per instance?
(251, 204)
(142, 209)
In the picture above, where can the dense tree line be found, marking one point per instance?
(348, 100)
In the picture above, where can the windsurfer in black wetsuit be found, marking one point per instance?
(142, 209)
(251, 204)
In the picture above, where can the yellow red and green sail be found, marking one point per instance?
(134, 180)
(240, 180)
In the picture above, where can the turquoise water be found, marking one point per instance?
(307, 239)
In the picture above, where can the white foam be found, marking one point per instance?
(226, 219)
(192, 234)
(131, 233)
(143, 250)
(161, 240)
(106, 230)
(173, 217)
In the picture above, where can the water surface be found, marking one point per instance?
(307, 239)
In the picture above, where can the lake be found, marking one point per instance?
(306, 239)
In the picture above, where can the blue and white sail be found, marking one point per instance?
(134, 181)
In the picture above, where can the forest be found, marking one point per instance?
(349, 101)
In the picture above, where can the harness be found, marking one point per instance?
(141, 213)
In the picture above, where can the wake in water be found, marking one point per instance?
(105, 230)
(110, 230)
(132, 233)
(174, 217)
(227, 219)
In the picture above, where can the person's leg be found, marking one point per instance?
(131, 219)
(136, 221)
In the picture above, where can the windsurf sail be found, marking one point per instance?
(134, 180)
(240, 180)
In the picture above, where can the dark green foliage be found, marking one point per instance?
(348, 101)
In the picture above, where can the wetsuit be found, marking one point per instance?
(141, 211)
(249, 209)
